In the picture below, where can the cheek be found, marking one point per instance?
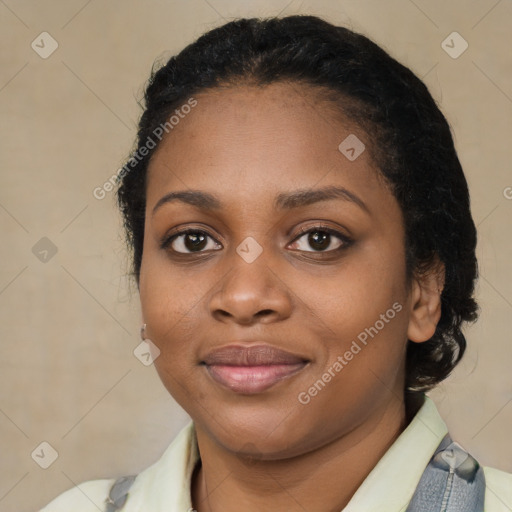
(168, 306)
(356, 296)
(364, 349)
(364, 308)
(169, 309)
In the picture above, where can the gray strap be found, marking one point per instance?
(119, 493)
(453, 481)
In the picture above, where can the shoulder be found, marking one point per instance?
(498, 490)
(174, 468)
(85, 497)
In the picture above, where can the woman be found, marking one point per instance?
(305, 256)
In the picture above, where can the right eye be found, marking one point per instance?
(187, 241)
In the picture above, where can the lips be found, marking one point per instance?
(253, 369)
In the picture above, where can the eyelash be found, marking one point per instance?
(346, 241)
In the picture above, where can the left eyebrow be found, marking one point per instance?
(283, 201)
(305, 197)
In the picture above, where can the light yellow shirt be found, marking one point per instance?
(165, 486)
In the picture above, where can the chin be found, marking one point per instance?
(267, 432)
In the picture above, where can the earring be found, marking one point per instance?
(143, 332)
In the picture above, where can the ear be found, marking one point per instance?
(425, 306)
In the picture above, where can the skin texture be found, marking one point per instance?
(268, 451)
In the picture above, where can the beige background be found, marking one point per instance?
(69, 325)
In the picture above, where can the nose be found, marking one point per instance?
(251, 292)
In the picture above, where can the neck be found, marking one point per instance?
(324, 479)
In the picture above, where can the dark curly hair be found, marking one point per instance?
(410, 140)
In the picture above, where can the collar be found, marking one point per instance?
(165, 486)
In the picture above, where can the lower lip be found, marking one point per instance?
(252, 379)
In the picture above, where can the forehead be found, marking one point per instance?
(248, 142)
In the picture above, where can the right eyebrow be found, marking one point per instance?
(197, 198)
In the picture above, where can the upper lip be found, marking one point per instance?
(254, 355)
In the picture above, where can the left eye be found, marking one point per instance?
(321, 239)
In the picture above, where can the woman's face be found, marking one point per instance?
(260, 270)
